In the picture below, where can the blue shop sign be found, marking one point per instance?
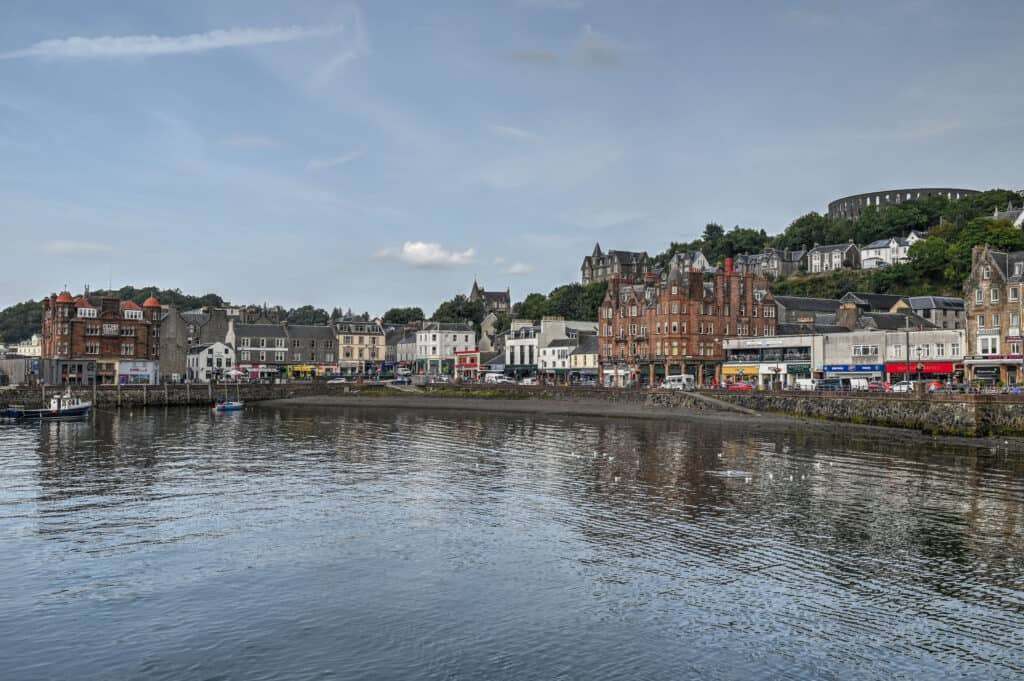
(836, 368)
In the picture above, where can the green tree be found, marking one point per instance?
(18, 322)
(460, 309)
(534, 306)
(403, 315)
(307, 314)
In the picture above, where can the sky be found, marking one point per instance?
(387, 153)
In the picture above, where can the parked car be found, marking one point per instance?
(903, 387)
(528, 380)
(877, 387)
(934, 386)
(740, 385)
(402, 380)
(832, 385)
(339, 379)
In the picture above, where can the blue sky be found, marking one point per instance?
(385, 153)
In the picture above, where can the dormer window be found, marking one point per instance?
(1018, 269)
(87, 313)
(133, 315)
(986, 272)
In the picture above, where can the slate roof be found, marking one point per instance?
(808, 304)
(310, 331)
(445, 326)
(936, 303)
(587, 345)
(562, 343)
(892, 321)
(881, 302)
(260, 331)
(829, 248)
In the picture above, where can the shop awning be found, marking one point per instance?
(926, 367)
(739, 370)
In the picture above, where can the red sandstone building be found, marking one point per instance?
(100, 340)
(675, 323)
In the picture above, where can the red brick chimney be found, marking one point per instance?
(728, 265)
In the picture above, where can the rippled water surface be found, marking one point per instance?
(305, 543)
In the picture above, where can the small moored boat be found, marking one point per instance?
(228, 405)
(64, 407)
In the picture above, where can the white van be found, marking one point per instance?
(859, 384)
(680, 382)
(806, 384)
(497, 377)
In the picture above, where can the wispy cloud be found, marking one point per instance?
(510, 131)
(518, 268)
(358, 47)
(248, 141)
(597, 49)
(325, 163)
(62, 247)
(553, 4)
(141, 46)
(422, 254)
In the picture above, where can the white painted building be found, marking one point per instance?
(525, 341)
(437, 343)
(29, 348)
(205, 362)
(891, 251)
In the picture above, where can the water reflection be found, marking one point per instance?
(535, 542)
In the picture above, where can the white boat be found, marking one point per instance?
(64, 407)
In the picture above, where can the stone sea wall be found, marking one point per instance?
(167, 394)
(967, 415)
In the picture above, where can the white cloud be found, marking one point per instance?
(422, 254)
(248, 141)
(597, 49)
(141, 46)
(325, 163)
(510, 131)
(518, 268)
(62, 247)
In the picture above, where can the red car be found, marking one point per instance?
(740, 385)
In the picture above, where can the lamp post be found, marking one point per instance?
(907, 375)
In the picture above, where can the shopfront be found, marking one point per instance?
(136, 372)
(868, 371)
(924, 371)
(258, 372)
(994, 369)
(732, 373)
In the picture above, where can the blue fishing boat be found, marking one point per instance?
(64, 407)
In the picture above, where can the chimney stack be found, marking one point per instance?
(728, 266)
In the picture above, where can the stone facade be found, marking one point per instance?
(602, 266)
(992, 299)
(100, 332)
(852, 207)
(495, 302)
(649, 329)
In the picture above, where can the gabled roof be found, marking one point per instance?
(832, 247)
(879, 302)
(83, 302)
(130, 305)
(65, 297)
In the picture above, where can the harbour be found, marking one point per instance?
(305, 542)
